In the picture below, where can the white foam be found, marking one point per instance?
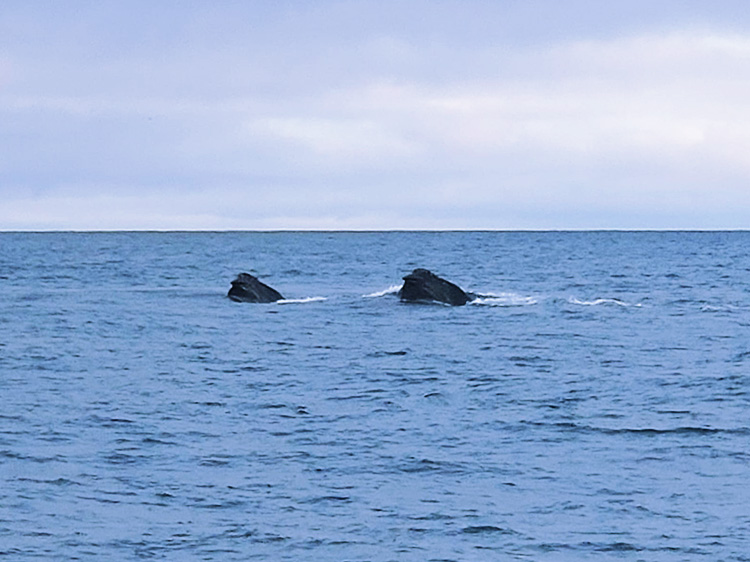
(711, 308)
(597, 302)
(504, 299)
(389, 291)
(301, 301)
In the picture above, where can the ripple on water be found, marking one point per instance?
(590, 407)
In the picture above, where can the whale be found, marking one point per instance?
(247, 288)
(421, 285)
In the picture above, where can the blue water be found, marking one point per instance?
(594, 406)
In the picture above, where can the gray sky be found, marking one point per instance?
(503, 114)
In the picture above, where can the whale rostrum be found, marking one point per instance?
(421, 285)
(247, 288)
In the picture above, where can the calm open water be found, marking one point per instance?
(594, 406)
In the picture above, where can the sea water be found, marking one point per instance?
(592, 404)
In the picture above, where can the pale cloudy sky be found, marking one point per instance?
(504, 114)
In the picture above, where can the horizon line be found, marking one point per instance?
(357, 230)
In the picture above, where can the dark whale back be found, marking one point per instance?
(247, 288)
(423, 285)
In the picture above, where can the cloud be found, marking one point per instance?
(680, 108)
(381, 122)
(344, 140)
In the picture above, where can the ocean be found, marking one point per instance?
(593, 404)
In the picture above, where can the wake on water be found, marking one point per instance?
(510, 299)
(485, 299)
(506, 299)
(301, 301)
(502, 299)
(392, 290)
(597, 302)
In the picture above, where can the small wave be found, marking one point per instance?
(504, 299)
(389, 291)
(301, 301)
(645, 431)
(713, 308)
(487, 529)
(330, 499)
(597, 302)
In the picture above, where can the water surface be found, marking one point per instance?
(593, 405)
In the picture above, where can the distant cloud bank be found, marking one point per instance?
(339, 117)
